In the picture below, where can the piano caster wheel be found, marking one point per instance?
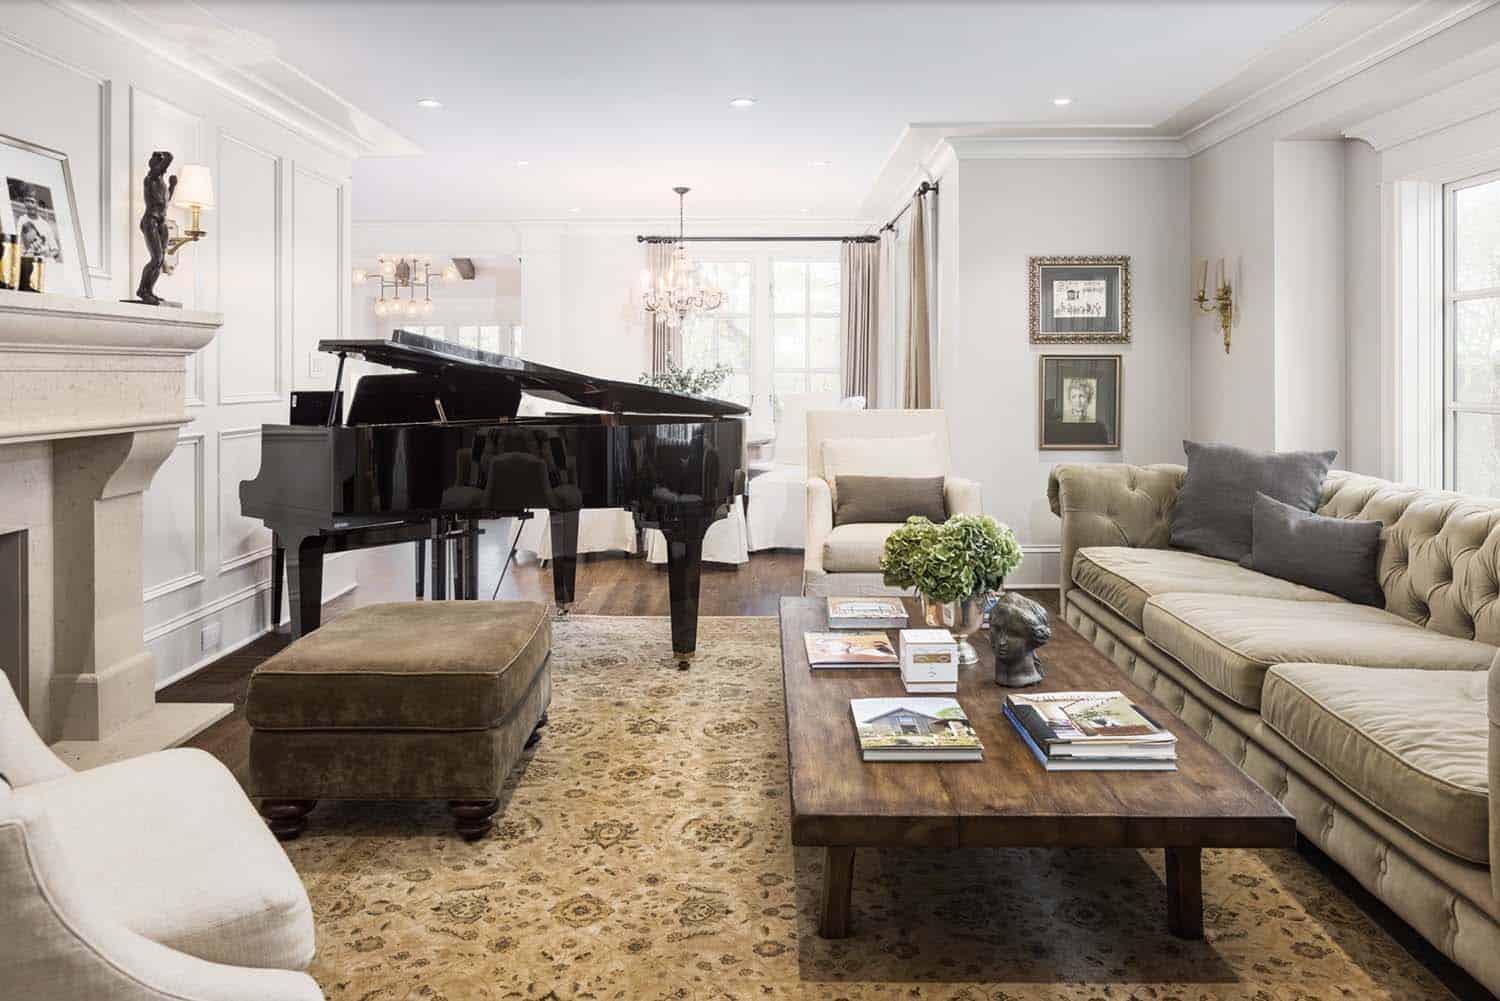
(564, 610)
(684, 660)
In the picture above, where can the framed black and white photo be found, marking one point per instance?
(40, 211)
(1080, 300)
(1079, 401)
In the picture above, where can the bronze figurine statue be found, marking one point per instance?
(1018, 627)
(157, 193)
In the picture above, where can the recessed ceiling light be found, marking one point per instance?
(821, 163)
(804, 211)
(429, 102)
(523, 163)
(1062, 102)
(742, 102)
(575, 210)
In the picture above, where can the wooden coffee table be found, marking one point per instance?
(840, 802)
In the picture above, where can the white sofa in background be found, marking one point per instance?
(776, 500)
(846, 560)
(145, 880)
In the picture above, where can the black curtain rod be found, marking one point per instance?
(863, 238)
(922, 189)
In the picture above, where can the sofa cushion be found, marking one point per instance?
(855, 548)
(1414, 744)
(1230, 641)
(1213, 507)
(176, 853)
(1124, 577)
(417, 665)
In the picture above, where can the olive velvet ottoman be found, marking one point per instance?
(414, 700)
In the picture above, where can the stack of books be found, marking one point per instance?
(1091, 731)
(914, 729)
(850, 650)
(866, 613)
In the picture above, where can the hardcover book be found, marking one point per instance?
(1054, 718)
(866, 613)
(914, 729)
(850, 650)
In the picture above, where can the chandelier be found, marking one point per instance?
(677, 293)
(404, 272)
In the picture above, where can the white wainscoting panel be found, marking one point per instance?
(241, 540)
(318, 275)
(73, 118)
(172, 544)
(250, 269)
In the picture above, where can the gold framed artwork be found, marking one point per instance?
(1078, 402)
(1080, 300)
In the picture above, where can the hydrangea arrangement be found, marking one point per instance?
(966, 555)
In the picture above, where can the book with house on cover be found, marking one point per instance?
(911, 728)
(866, 613)
(850, 650)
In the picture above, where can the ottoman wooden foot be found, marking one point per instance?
(473, 818)
(536, 733)
(287, 818)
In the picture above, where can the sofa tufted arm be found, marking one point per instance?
(1112, 505)
(1494, 763)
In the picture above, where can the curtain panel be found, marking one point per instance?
(916, 391)
(666, 343)
(860, 317)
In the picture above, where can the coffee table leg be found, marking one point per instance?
(838, 884)
(1185, 892)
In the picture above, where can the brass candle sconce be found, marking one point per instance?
(1222, 301)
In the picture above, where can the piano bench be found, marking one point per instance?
(428, 700)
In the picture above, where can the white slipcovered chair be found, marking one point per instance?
(845, 560)
(145, 880)
(776, 500)
(725, 541)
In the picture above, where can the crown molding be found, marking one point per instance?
(1478, 95)
(1067, 148)
(273, 88)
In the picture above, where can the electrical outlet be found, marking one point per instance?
(211, 636)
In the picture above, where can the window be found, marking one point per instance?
(723, 336)
(1471, 329)
(484, 336)
(806, 351)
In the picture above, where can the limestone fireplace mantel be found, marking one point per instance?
(91, 399)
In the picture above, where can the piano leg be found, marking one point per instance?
(564, 558)
(684, 561)
(304, 584)
(278, 572)
(421, 547)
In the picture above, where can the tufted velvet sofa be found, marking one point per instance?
(1371, 725)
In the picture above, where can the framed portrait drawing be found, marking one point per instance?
(40, 211)
(1080, 300)
(1079, 401)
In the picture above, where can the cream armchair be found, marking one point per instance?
(146, 880)
(845, 560)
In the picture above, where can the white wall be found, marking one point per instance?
(1363, 379)
(1013, 209)
(273, 264)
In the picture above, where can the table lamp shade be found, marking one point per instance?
(195, 186)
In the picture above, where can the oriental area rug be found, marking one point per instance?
(642, 853)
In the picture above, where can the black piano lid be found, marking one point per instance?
(416, 353)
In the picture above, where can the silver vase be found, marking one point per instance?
(961, 618)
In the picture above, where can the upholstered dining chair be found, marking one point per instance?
(844, 558)
(145, 880)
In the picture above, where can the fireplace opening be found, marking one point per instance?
(13, 641)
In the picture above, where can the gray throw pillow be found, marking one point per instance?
(1213, 506)
(888, 499)
(1336, 555)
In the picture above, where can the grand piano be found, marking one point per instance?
(430, 449)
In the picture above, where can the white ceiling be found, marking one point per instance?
(611, 104)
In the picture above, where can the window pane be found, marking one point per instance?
(1476, 237)
(489, 338)
(825, 283)
(734, 277)
(790, 382)
(824, 342)
(734, 344)
(791, 342)
(736, 388)
(1476, 454)
(698, 348)
(789, 287)
(468, 336)
(824, 382)
(1476, 351)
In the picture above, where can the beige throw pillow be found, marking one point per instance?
(916, 455)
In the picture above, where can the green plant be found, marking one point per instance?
(694, 381)
(964, 556)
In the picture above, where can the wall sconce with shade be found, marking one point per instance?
(1222, 301)
(195, 190)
